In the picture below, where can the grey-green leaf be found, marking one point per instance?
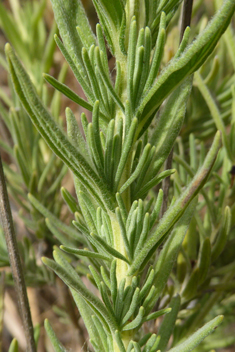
(194, 340)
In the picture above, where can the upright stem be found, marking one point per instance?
(186, 16)
(16, 266)
(122, 267)
(2, 290)
(185, 22)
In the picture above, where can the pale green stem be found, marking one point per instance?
(121, 271)
(122, 267)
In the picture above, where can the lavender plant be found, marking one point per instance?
(117, 161)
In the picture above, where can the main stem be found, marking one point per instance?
(122, 267)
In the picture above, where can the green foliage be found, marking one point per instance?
(139, 259)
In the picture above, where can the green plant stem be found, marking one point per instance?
(16, 266)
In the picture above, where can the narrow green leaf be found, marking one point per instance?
(157, 207)
(184, 42)
(102, 337)
(194, 340)
(102, 47)
(128, 144)
(90, 69)
(113, 280)
(110, 250)
(143, 234)
(106, 300)
(138, 72)
(122, 207)
(118, 80)
(157, 314)
(158, 53)
(123, 232)
(70, 200)
(116, 155)
(152, 343)
(85, 253)
(88, 210)
(131, 61)
(221, 239)
(150, 297)
(108, 151)
(96, 131)
(131, 229)
(95, 151)
(105, 277)
(53, 338)
(133, 306)
(67, 92)
(168, 323)
(136, 346)
(136, 322)
(106, 79)
(96, 276)
(87, 40)
(119, 303)
(146, 62)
